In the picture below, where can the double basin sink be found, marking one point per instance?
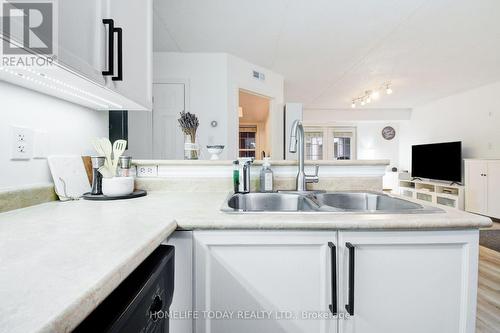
(322, 202)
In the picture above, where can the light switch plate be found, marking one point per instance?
(21, 143)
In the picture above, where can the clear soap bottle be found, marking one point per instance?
(266, 176)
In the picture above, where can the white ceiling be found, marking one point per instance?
(330, 51)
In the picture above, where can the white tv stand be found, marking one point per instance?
(438, 193)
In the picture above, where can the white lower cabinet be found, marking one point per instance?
(263, 281)
(281, 281)
(182, 302)
(409, 281)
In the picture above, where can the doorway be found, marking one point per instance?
(254, 125)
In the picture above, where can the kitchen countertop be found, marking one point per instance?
(59, 260)
(259, 162)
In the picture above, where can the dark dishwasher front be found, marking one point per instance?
(141, 302)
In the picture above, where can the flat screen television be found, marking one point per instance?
(437, 161)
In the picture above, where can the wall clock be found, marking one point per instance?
(388, 132)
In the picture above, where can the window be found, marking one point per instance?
(342, 144)
(247, 141)
(330, 143)
(313, 145)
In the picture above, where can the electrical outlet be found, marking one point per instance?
(21, 143)
(147, 170)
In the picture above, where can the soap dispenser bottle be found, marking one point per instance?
(266, 176)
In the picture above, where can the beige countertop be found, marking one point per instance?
(259, 162)
(59, 260)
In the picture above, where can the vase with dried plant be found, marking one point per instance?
(189, 124)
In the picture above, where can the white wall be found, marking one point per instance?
(370, 145)
(472, 117)
(206, 77)
(214, 81)
(369, 125)
(69, 128)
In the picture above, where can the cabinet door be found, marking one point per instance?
(135, 18)
(412, 282)
(82, 37)
(476, 197)
(266, 282)
(493, 180)
(182, 303)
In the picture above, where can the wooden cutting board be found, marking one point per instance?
(69, 176)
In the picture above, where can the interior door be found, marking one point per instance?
(168, 140)
(82, 37)
(493, 181)
(266, 282)
(409, 282)
(476, 182)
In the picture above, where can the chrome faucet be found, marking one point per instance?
(246, 176)
(297, 139)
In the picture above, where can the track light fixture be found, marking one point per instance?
(372, 95)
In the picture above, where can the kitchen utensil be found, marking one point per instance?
(108, 150)
(69, 176)
(124, 166)
(96, 142)
(87, 163)
(97, 163)
(119, 147)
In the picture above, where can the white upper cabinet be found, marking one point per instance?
(104, 53)
(111, 43)
(133, 49)
(82, 36)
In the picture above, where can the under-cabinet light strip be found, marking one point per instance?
(71, 87)
(54, 86)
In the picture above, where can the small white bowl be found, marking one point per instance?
(117, 186)
(215, 151)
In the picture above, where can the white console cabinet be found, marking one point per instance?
(482, 180)
(438, 193)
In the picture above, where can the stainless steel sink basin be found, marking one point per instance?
(270, 202)
(365, 201)
(323, 202)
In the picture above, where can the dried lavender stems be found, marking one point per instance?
(189, 124)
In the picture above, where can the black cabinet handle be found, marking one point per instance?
(350, 305)
(333, 258)
(119, 33)
(111, 47)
